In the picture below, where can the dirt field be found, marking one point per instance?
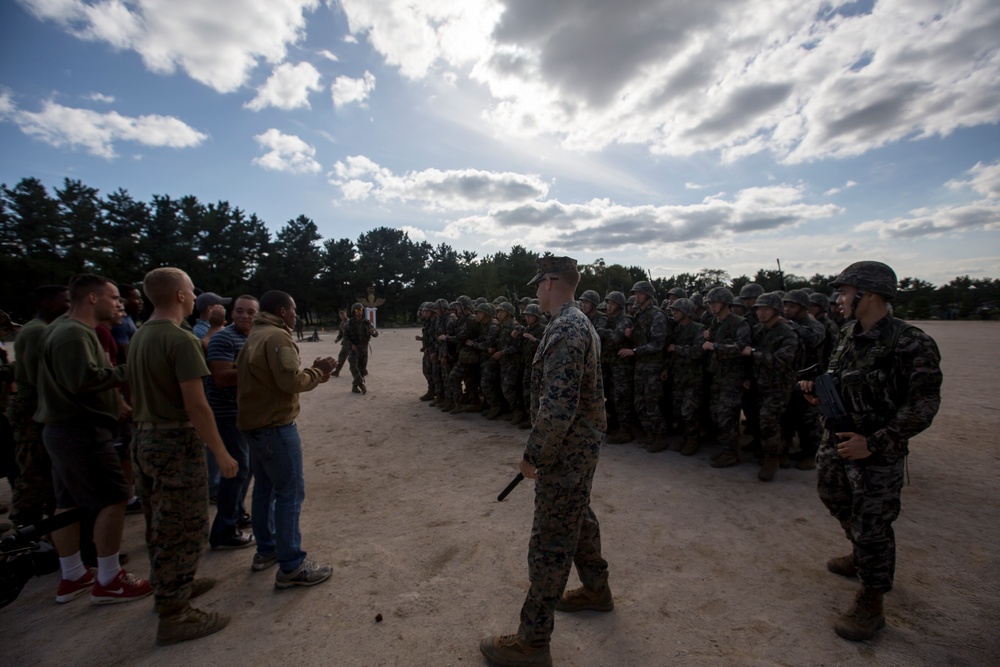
(708, 567)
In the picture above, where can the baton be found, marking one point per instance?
(510, 487)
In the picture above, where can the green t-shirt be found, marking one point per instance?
(75, 381)
(160, 357)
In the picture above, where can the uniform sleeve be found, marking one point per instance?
(741, 339)
(657, 336)
(189, 361)
(918, 365)
(562, 368)
(284, 362)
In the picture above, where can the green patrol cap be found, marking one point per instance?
(544, 265)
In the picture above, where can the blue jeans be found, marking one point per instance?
(278, 491)
(232, 491)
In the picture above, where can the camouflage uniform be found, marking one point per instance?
(802, 417)
(528, 349)
(358, 332)
(427, 346)
(567, 408)
(447, 324)
(649, 336)
(727, 371)
(618, 372)
(774, 377)
(466, 368)
(687, 372)
(890, 381)
(510, 363)
(489, 369)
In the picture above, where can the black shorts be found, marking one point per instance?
(86, 470)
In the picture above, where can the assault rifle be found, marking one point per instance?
(837, 419)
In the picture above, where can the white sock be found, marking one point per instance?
(72, 567)
(108, 568)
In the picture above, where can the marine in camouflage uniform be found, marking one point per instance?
(428, 315)
(775, 344)
(802, 417)
(618, 371)
(567, 407)
(441, 353)
(889, 379)
(466, 369)
(725, 341)
(508, 354)
(819, 307)
(686, 358)
(530, 336)
(489, 368)
(358, 332)
(649, 337)
(749, 294)
(345, 345)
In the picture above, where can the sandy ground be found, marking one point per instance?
(708, 567)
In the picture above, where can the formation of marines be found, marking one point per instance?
(679, 372)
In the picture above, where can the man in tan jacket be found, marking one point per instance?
(269, 380)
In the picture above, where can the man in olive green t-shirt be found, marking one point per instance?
(173, 423)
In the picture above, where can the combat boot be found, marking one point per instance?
(447, 405)
(659, 443)
(843, 565)
(621, 436)
(187, 623)
(644, 439)
(472, 407)
(864, 619)
(691, 447)
(516, 417)
(512, 651)
(584, 599)
(494, 412)
(725, 459)
(767, 470)
(456, 408)
(429, 396)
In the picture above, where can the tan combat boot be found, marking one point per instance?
(584, 599)
(864, 619)
(188, 623)
(691, 446)
(621, 436)
(725, 459)
(843, 565)
(512, 651)
(658, 444)
(768, 468)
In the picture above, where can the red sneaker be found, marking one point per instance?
(71, 590)
(125, 588)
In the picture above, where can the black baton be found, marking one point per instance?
(510, 487)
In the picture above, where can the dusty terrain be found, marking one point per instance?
(708, 567)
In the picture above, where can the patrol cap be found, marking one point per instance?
(208, 299)
(549, 264)
(798, 297)
(769, 300)
(868, 276)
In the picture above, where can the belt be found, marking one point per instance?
(161, 426)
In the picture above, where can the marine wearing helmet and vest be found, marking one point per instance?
(649, 338)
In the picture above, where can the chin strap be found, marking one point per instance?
(854, 303)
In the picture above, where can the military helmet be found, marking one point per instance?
(798, 297)
(616, 297)
(427, 305)
(357, 306)
(465, 301)
(630, 301)
(455, 305)
(500, 299)
(720, 295)
(533, 309)
(646, 288)
(484, 308)
(591, 296)
(751, 291)
(524, 300)
(769, 300)
(442, 304)
(505, 306)
(684, 305)
(698, 300)
(678, 292)
(819, 299)
(868, 276)
(481, 300)
(665, 304)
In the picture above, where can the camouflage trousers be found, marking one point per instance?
(618, 385)
(32, 496)
(467, 374)
(510, 384)
(803, 419)
(358, 361)
(436, 382)
(489, 382)
(864, 498)
(687, 403)
(647, 390)
(725, 404)
(771, 405)
(565, 532)
(445, 368)
(427, 366)
(172, 484)
(345, 350)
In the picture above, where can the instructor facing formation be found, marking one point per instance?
(569, 422)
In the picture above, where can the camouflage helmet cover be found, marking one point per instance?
(524, 300)
(465, 301)
(442, 304)
(819, 299)
(500, 299)
(485, 308)
(533, 309)
(868, 276)
(720, 295)
(698, 300)
(684, 305)
(616, 297)
(769, 300)
(645, 287)
(751, 291)
(591, 296)
(357, 306)
(481, 300)
(678, 292)
(506, 307)
(798, 297)
(630, 301)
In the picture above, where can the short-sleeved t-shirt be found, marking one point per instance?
(123, 332)
(160, 357)
(224, 346)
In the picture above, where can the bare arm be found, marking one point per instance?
(200, 414)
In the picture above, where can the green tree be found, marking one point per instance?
(298, 262)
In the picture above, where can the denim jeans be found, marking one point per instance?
(278, 491)
(231, 492)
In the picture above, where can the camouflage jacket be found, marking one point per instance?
(687, 361)
(730, 336)
(466, 329)
(528, 347)
(486, 340)
(811, 335)
(832, 333)
(508, 346)
(445, 326)
(649, 335)
(611, 331)
(427, 339)
(567, 399)
(359, 332)
(774, 354)
(889, 379)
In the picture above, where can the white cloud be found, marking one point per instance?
(286, 152)
(804, 80)
(7, 106)
(329, 55)
(346, 90)
(360, 178)
(833, 191)
(985, 179)
(933, 222)
(288, 87)
(103, 99)
(217, 43)
(415, 233)
(97, 133)
(694, 186)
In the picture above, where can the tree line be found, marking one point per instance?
(47, 237)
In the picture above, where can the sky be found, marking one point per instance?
(669, 134)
